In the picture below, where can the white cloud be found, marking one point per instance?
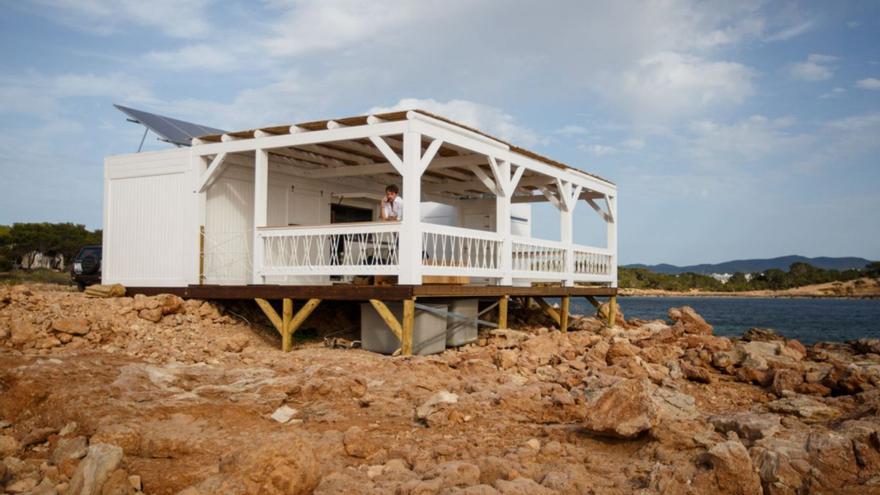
(816, 68)
(571, 130)
(42, 96)
(179, 19)
(790, 32)
(633, 144)
(869, 83)
(597, 149)
(672, 85)
(484, 117)
(836, 92)
(193, 57)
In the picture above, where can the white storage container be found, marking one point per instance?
(459, 331)
(429, 330)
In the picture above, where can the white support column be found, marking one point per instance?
(611, 235)
(410, 240)
(566, 229)
(502, 218)
(261, 207)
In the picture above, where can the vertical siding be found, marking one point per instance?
(229, 226)
(146, 230)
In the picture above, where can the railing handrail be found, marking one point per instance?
(435, 228)
(335, 228)
(590, 249)
(538, 242)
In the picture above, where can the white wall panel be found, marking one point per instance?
(145, 233)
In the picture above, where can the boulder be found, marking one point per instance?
(749, 427)
(761, 335)
(69, 448)
(117, 484)
(689, 321)
(619, 351)
(21, 332)
(632, 406)
(279, 465)
(151, 314)
(865, 346)
(37, 436)
(696, 373)
(506, 358)
(357, 443)
(733, 470)
(432, 412)
(809, 409)
(785, 380)
(8, 446)
(100, 462)
(170, 304)
(71, 326)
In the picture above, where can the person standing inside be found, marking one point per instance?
(391, 207)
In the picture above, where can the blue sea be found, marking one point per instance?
(808, 320)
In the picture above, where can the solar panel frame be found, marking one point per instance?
(174, 131)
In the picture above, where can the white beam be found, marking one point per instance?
(301, 138)
(551, 197)
(484, 178)
(430, 153)
(389, 153)
(605, 216)
(210, 175)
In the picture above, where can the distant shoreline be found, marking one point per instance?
(863, 288)
(735, 295)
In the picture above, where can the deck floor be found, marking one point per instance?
(348, 292)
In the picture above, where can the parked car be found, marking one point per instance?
(86, 267)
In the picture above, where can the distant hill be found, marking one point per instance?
(758, 265)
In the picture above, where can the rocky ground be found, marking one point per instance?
(159, 395)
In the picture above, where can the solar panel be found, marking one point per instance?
(174, 131)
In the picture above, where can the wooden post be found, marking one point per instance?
(299, 318)
(548, 309)
(409, 317)
(287, 315)
(612, 310)
(502, 311)
(563, 317)
(201, 254)
(389, 318)
(270, 313)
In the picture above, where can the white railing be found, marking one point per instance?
(457, 251)
(592, 261)
(373, 249)
(337, 249)
(226, 257)
(537, 257)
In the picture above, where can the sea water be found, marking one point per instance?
(808, 320)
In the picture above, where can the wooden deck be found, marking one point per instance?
(288, 322)
(348, 292)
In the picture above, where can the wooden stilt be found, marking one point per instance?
(409, 316)
(300, 317)
(612, 310)
(502, 312)
(389, 318)
(286, 316)
(202, 254)
(270, 313)
(548, 309)
(592, 301)
(563, 317)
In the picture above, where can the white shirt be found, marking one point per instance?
(393, 210)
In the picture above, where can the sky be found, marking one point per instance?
(733, 130)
